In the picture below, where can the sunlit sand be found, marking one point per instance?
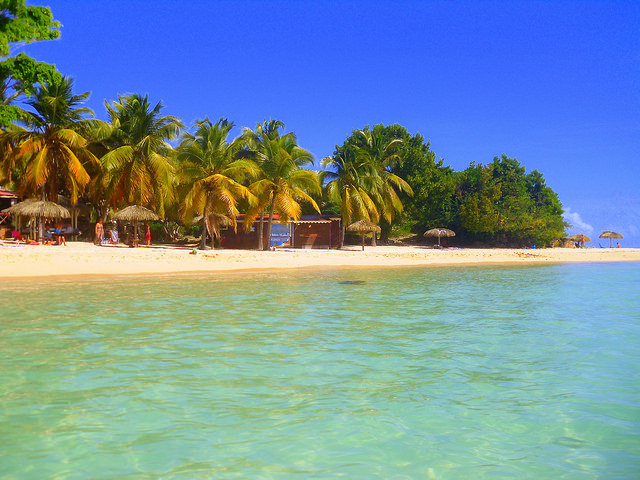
(79, 258)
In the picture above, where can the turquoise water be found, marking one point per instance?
(443, 373)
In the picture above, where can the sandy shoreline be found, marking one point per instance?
(79, 258)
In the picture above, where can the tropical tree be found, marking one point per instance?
(20, 24)
(379, 152)
(139, 166)
(283, 183)
(53, 147)
(348, 181)
(500, 203)
(214, 173)
(11, 168)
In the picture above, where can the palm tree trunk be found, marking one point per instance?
(105, 213)
(203, 238)
(273, 204)
(260, 230)
(342, 233)
(40, 220)
(373, 239)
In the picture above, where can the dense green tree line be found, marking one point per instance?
(55, 146)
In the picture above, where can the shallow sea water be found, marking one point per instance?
(436, 373)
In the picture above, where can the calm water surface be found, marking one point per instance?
(443, 373)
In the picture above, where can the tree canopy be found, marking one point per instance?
(21, 24)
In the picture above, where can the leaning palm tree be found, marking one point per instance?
(283, 183)
(53, 146)
(349, 179)
(11, 166)
(140, 164)
(380, 154)
(213, 172)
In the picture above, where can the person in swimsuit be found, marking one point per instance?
(147, 235)
(99, 232)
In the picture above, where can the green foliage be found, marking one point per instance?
(433, 183)
(211, 174)
(139, 167)
(9, 114)
(25, 72)
(497, 203)
(21, 23)
(282, 184)
(19, 74)
(500, 203)
(373, 188)
(52, 149)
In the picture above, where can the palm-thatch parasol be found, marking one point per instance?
(135, 214)
(363, 226)
(610, 236)
(38, 209)
(579, 237)
(439, 232)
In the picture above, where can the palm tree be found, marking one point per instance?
(11, 166)
(140, 164)
(348, 183)
(52, 147)
(213, 174)
(283, 183)
(379, 154)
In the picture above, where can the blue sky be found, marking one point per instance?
(555, 84)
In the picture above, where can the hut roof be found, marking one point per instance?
(439, 232)
(608, 234)
(135, 213)
(363, 226)
(38, 208)
(579, 237)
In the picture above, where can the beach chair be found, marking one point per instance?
(115, 238)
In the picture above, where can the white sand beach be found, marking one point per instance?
(80, 258)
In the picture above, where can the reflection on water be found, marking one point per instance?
(405, 373)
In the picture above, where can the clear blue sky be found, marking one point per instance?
(555, 84)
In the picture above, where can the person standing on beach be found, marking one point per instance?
(147, 235)
(99, 232)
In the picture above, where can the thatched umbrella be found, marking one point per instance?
(439, 232)
(135, 214)
(579, 237)
(610, 236)
(38, 209)
(363, 226)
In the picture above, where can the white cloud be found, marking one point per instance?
(576, 222)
